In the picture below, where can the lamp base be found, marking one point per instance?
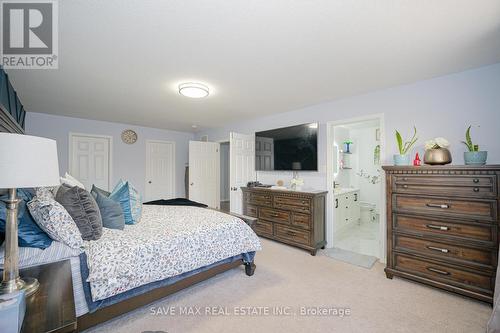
(29, 285)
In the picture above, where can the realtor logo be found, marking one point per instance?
(29, 34)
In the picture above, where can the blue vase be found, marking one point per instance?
(400, 160)
(475, 157)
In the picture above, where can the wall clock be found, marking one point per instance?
(129, 136)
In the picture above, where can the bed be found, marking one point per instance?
(171, 248)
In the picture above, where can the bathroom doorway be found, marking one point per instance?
(356, 204)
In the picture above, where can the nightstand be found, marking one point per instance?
(52, 307)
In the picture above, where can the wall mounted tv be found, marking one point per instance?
(292, 148)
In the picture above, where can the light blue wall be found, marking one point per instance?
(129, 161)
(442, 106)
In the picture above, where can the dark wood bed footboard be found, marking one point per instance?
(115, 310)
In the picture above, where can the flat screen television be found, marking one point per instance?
(292, 148)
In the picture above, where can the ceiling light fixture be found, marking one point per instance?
(193, 90)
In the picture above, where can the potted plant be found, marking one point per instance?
(436, 152)
(473, 156)
(403, 158)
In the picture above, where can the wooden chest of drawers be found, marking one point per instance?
(442, 226)
(291, 217)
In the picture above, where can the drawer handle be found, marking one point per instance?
(437, 227)
(475, 180)
(405, 186)
(303, 202)
(275, 215)
(291, 233)
(433, 248)
(405, 179)
(336, 203)
(476, 189)
(435, 270)
(442, 206)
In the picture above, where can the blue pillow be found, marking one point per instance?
(111, 211)
(130, 201)
(29, 233)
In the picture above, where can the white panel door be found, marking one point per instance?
(242, 167)
(160, 170)
(90, 160)
(204, 173)
(264, 153)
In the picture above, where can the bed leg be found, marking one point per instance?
(249, 268)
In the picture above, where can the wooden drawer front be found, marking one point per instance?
(274, 215)
(443, 228)
(444, 273)
(260, 199)
(296, 204)
(292, 234)
(469, 186)
(251, 211)
(301, 220)
(446, 251)
(263, 228)
(461, 208)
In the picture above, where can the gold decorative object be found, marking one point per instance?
(280, 182)
(437, 156)
(129, 136)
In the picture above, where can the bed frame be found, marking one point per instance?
(115, 310)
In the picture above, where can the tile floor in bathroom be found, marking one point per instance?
(361, 238)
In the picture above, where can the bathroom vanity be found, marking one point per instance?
(346, 208)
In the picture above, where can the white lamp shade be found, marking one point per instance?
(27, 161)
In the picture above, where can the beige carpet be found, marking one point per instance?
(289, 277)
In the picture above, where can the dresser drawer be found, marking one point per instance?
(444, 273)
(260, 199)
(292, 234)
(263, 228)
(484, 210)
(274, 215)
(443, 228)
(305, 202)
(468, 186)
(251, 211)
(445, 251)
(301, 220)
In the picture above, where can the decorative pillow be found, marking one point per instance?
(99, 190)
(46, 192)
(29, 233)
(71, 181)
(111, 211)
(83, 209)
(130, 201)
(55, 221)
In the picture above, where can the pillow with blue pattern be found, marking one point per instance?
(129, 199)
(29, 233)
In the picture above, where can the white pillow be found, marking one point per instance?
(55, 220)
(71, 181)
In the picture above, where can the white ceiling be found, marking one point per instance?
(121, 60)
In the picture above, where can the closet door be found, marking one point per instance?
(90, 160)
(204, 173)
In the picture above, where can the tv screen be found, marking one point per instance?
(289, 148)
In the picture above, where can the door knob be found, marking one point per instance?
(191, 184)
(149, 182)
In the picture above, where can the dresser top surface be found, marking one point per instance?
(494, 167)
(267, 189)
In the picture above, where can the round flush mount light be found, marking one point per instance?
(193, 90)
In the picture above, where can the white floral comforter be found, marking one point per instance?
(168, 241)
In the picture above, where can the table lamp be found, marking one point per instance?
(25, 161)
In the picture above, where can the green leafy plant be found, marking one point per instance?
(407, 145)
(468, 141)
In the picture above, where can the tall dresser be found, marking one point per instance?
(442, 226)
(291, 217)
